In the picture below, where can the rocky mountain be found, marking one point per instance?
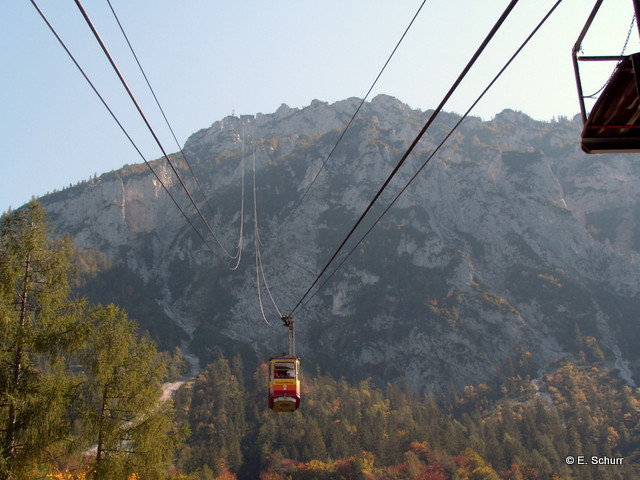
(511, 250)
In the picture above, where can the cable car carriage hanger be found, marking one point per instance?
(613, 124)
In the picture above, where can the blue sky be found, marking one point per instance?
(207, 59)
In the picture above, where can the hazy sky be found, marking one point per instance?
(207, 59)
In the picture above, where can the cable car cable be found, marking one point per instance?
(155, 97)
(453, 88)
(256, 241)
(358, 109)
(344, 131)
(113, 115)
(144, 118)
(422, 167)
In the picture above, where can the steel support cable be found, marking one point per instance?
(115, 118)
(435, 113)
(144, 117)
(266, 284)
(358, 109)
(440, 145)
(153, 93)
(256, 246)
(264, 278)
(344, 131)
(256, 241)
(241, 236)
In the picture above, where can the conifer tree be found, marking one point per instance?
(217, 416)
(313, 442)
(39, 329)
(125, 418)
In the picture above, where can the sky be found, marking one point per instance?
(208, 59)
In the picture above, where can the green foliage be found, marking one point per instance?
(88, 264)
(67, 384)
(215, 414)
(124, 416)
(69, 380)
(176, 364)
(39, 327)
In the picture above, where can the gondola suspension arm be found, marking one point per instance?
(287, 320)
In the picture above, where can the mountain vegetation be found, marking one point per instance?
(521, 429)
(75, 382)
(80, 398)
(39, 328)
(511, 240)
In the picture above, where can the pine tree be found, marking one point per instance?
(217, 416)
(124, 415)
(39, 329)
(313, 442)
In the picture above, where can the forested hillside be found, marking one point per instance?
(79, 387)
(80, 398)
(510, 240)
(486, 328)
(521, 429)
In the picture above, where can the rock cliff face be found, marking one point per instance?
(510, 247)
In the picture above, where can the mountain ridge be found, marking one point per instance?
(509, 243)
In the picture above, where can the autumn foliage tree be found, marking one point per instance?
(360, 431)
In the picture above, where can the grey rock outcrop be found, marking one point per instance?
(508, 243)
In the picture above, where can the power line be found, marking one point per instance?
(113, 115)
(144, 118)
(495, 79)
(184, 156)
(453, 88)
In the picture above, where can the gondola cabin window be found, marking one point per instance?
(284, 384)
(285, 370)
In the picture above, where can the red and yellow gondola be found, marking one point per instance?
(284, 384)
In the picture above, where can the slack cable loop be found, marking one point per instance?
(259, 266)
(144, 118)
(155, 97)
(256, 246)
(115, 118)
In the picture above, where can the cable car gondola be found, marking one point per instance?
(284, 384)
(613, 124)
(284, 376)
